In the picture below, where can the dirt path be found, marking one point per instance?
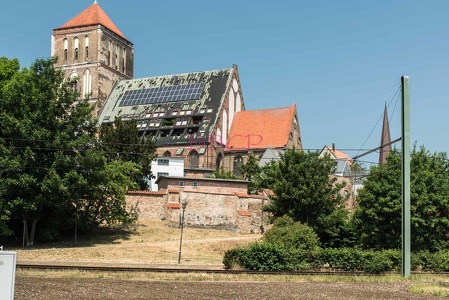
(111, 289)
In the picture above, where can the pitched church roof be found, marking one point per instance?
(176, 109)
(93, 15)
(258, 129)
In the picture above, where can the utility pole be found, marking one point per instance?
(405, 176)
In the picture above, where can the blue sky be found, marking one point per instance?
(339, 61)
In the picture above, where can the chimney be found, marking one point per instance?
(333, 147)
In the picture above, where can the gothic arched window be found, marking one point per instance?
(238, 162)
(218, 161)
(166, 154)
(194, 159)
(86, 45)
(76, 47)
(66, 48)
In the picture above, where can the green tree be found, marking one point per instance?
(305, 191)
(121, 141)
(251, 170)
(50, 163)
(378, 216)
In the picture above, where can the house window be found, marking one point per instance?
(174, 113)
(194, 159)
(238, 162)
(76, 48)
(66, 47)
(163, 162)
(181, 183)
(179, 151)
(159, 174)
(202, 110)
(86, 44)
(166, 154)
(195, 184)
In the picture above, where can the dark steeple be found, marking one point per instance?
(385, 139)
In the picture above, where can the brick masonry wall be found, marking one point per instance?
(204, 210)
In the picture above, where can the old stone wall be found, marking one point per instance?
(241, 213)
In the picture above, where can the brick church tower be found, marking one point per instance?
(92, 49)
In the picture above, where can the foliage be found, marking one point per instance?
(250, 170)
(291, 235)
(306, 192)
(121, 141)
(51, 166)
(223, 174)
(378, 217)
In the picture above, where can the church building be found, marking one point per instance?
(198, 116)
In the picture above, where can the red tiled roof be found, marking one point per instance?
(173, 205)
(245, 213)
(254, 129)
(245, 195)
(159, 193)
(93, 15)
(174, 191)
(338, 153)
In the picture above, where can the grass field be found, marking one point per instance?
(142, 243)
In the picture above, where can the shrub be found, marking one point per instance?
(291, 235)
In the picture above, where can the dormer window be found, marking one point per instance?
(76, 48)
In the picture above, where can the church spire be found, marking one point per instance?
(385, 139)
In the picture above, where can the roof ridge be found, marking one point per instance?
(180, 74)
(273, 108)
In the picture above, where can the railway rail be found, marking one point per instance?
(173, 269)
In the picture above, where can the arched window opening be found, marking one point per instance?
(194, 159)
(124, 61)
(238, 162)
(218, 161)
(86, 44)
(76, 48)
(166, 154)
(116, 57)
(109, 52)
(66, 48)
(87, 83)
(74, 80)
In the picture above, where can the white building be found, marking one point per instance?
(166, 166)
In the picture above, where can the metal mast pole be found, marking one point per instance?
(405, 176)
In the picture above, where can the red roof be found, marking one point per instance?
(255, 129)
(338, 154)
(93, 15)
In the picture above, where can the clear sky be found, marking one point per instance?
(339, 61)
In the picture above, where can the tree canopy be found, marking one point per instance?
(378, 216)
(305, 191)
(53, 168)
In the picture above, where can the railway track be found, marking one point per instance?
(173, 269)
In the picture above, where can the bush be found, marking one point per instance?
(291, 235)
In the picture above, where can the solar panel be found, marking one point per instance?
(162, 94)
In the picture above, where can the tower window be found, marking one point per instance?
(76, 47)
(116, 56)
(66, 47)
(238, 162)
(124, 60)
(109, 52)
(86, 44)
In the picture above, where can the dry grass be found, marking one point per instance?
(143, 243)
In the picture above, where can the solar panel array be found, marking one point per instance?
(162, 94)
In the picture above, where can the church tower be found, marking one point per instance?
(385, 139)
(92, 49)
